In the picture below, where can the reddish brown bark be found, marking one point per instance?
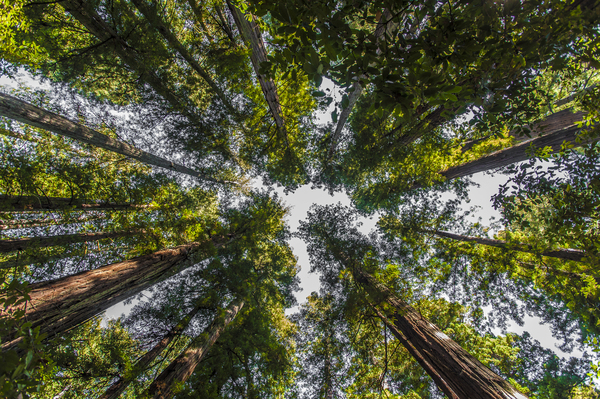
(561, 253)
(183, 367)
(59, 305)
(442, 358)
(22, 244)
(142, 364)
(417, 355)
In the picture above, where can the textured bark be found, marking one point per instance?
(57, 306)
(21, 111)
(183, 367)
(442, 358)
(10, 203)
(357, 88)
(149, 11)
(523, 151)
(552, 123)
(21, 244)
(253, 39)
(561, 253)
(417, 355)
(144, 362)
(516, 153)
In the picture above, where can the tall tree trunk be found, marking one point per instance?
(258, 54)
(144, 362)
(59, 305)
(516, 153)
(549, 124)
(15, 224)
(149, 11)
(24, 112)
(183, 367)
(441, 384)
(522, 151)
(21, 244)
(561, 253)
(442, 358)
(23, 203)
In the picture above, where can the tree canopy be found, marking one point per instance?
(134, 175)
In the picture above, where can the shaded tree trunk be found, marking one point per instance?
(551, 123)
(357, 88)
(441, 384)
(58, 305)
(442, 358)
(144, 362)
(516, 153)
(149, 11)
(14, 224)
(14, 203)
(183, 367)
(258, 54)
(24, 112)
(562, 253)
(21, 244)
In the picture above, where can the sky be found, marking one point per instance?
(301, 200)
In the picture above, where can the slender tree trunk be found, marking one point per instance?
(23, 203)
(551, 123)
(21, 244)
(59, 305)
(149, 11)
(258, 54)
(144, 362)
(15, 224)
(442, 358)
(516, 153)
(562, 253)
(21, 111)
(183, 367)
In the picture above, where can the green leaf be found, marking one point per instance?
(345, 101)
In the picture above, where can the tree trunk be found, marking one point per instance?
(149, 11)
(182, 368)
(442, 358)
(21, 111)
(57, 306)
(144, 362)
(21, 244)
(441, 384)
(382, 28)
(550, 124)
(516, 153)
(561, 253)
(258, 54)
(15, 224)
(23, 203)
